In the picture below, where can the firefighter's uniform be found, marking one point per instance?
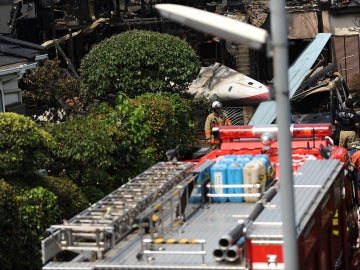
(215, 119)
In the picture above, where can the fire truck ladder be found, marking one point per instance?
(166, 215)
(99, 227)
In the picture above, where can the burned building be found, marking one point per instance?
(69, 29)
(86, 22)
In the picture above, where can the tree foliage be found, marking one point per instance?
(168, 117)
(38, 210)
(25, 214)
(137, 62)
(102, 150)
(87, 147)
(90, 155)
(49, 86)
(24, 147)
(70, 198)
(10, 239)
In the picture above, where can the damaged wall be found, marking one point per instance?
(309, 22)
(346, 55)
(345, 24)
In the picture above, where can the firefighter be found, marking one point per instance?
(217, 118)
(348, 121)
(355, 159)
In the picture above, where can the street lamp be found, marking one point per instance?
(239, 32)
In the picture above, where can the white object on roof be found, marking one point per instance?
(219, 82)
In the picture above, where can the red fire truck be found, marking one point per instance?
(222, 211)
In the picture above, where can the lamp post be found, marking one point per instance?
(281, 83)
(239, 32)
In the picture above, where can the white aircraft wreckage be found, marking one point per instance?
(219, 82)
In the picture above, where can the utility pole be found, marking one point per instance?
(279, 43)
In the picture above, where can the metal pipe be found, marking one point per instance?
(279, 37)
(229, 239)
(233, 253)
(236, 251)
(219, 254)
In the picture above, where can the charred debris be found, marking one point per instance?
(76, 25)
(67, 29)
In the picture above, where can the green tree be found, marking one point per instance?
(70, 198)
(87, 147)
(49, 86)
(38, 210)
(10, 239)
(137, 62)
(24, 147)
(102, 150)
(168, 118)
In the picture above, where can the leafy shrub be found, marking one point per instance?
(168, 117)
(24, 147)
(49, 86)
(10, 239)
(70, 198)
(137, 62)
(87, 146)
(38, 210)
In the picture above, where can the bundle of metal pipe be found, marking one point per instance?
(236, 251)
(232, 253)
(231, 245)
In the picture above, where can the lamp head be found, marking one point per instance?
(217, 25)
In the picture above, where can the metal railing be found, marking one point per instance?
(149, 243)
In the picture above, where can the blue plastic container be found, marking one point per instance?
(244, 158)
(218, 176)
(235, 177)
(196, 194)
(227, 159)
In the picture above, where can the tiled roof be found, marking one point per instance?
(14, 52)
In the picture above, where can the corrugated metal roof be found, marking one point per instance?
(264, 114)
(266, 111)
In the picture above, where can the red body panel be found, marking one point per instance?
(318, 246)
(265, 254)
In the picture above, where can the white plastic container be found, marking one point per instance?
(254, 173)
(268, 168)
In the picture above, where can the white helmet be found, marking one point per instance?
(216, 104)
